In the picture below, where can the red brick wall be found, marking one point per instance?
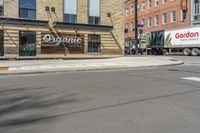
(168, 7)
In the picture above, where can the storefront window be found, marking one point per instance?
(27, 43)
(1, 7)
(70, 11)
(94, 43)
(94, 12)
(1, 43)
(27, 9)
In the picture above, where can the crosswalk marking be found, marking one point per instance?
(192, 78)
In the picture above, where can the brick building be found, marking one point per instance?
(157, 16)
(48, 27)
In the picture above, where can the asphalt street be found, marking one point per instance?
(150, 100)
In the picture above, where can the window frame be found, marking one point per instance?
(35, 17)
(149, 4)
(2, 9)
(21, 46)
(156, 5)
(164, 1)
(95, 17)
(149, 22)
(98, 43)
(164, 18)
(172, 17)
(69, 13)
(156, 21)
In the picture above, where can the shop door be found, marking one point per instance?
(27, 43)
(94, 43)
(1, 43)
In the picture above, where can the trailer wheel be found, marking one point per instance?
(195, 52)
(187, 51)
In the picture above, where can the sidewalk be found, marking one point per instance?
(44, 66)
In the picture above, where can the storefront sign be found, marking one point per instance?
(52, 44)
(48, 38)
(185, 36)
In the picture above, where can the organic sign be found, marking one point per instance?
(58, 44)
(51, 39)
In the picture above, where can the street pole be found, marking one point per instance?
(136, 27)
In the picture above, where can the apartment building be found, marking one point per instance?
(155, 16)
(195, 12)
(34, 28)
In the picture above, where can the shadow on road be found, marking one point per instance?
(26, 105)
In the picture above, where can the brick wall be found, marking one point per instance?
(112, 41)
(170, 6)
(11, 8)
(116, 8)
(82, 13)
(43, 15)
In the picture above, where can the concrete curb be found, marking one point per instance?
(6, 73)
(3, 69)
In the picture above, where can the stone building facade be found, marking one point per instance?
(46, 27)
(156, 16)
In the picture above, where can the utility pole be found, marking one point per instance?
(136, 27)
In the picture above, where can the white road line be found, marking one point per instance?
(192, 78)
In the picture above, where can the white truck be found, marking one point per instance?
(186, 41)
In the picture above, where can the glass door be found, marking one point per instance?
(27, 43)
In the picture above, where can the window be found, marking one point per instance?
(173, 16)
(164, 18)
(131, 26)
(1, 7)
(156, 3)
(94, 12)
(143, 22)
(27, 9)
(149, 3)
(143, 5)
(149, 21)
(126, 26)
(126, 11)
(196, 10)
(132, 11)
(27, 43)
(1, 43)
(94, 43)
(164, 1)
(70, 11)
(156, 20)
(183, 15)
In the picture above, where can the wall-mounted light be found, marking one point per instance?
(47, 8)
(53, 9)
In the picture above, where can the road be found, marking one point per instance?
(150, 100)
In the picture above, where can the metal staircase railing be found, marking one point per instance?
(54, 30)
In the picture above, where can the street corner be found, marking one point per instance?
(176, 61)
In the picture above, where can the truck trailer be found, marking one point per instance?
(175, 41)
